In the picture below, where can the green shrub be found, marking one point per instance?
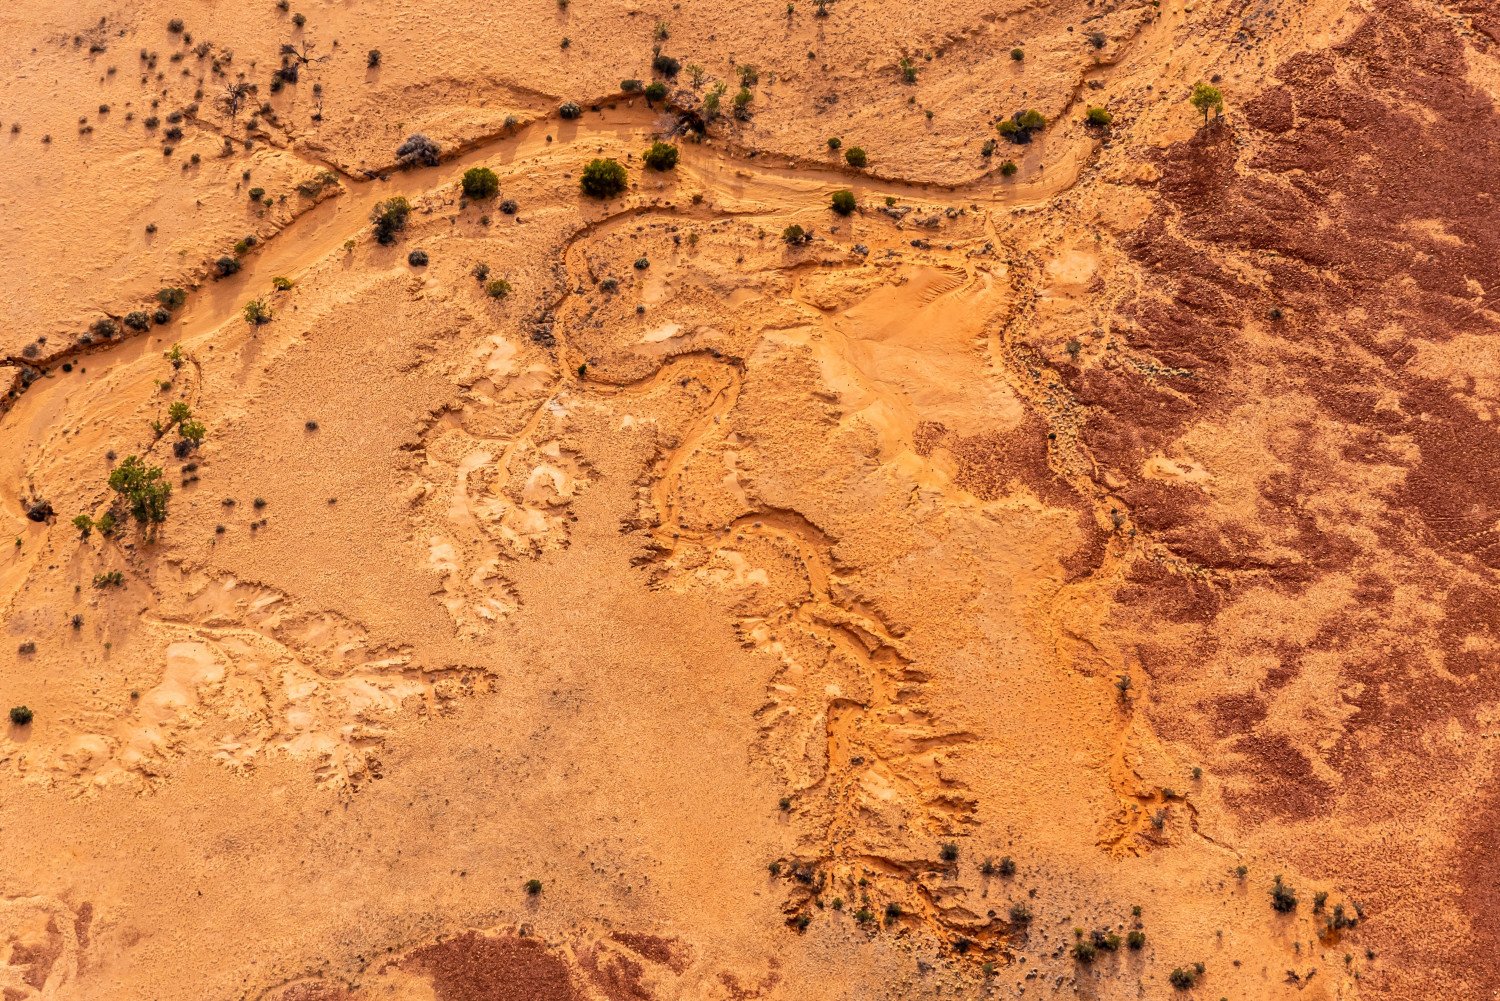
(498, 288)
(143, 488)
(533, 887)
(1085, 951)
(655, 91)
(834, 142)
(908, 70)
(389, 218)
(84, 524)
(666, 65)
(742, 104)
(570, 110)
(855, 157)
(192, 431)
(137, 319)
(661, 156)
(630, 86)
(1018, 54)
(1007, 867)
(1136, 939)
(21, 715)
(794, 235)
(843, 202)
(256, 194)
(949, 851)
(281, 283)
(171, 297)
(603, 178)
(1099, 117)
(480, 182)
(1032, 119)
(257, 312)
(110, 578)
(1182, 979)
(1020, 914)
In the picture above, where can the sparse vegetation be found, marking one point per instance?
(1136, 939)
(21, 715)
(569, 110)
(855, 157)
(843, 202)
(533, 887)
(1020, 913)
(497, 288)
(948, 852)
(661, 156)
(603, 178)
(1183, 978)
(794, 235)
(655, 91)
(1007, 867)
(372, 59)
(480, 182)
(1008, 168)
(1018, 54)
(1099, 118)
(417, 258)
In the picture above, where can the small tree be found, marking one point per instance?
(603, 178)
(855, 157)
(843, 202)
(143, 488)
(480, 182)
(1206, 98)
(661, 156)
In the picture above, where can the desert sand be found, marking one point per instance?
(1070, 570)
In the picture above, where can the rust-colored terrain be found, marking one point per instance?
(1073, 571)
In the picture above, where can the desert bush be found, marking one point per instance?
(1007, 867)
(84, 524)
(1182, 979)
(226, 266)
(843, 202)
(666, 65)
(656, 91)
(1097, 39)
(988, 149)
(1032, 119)
(794, 235)
(481, 272)
(281, 283)
(1098, 117)
(642, 263)
(631, 86)
(110, 578)
(533, 887)
(389, 218)
(1020, 913)
(21, 715)
(137, 320)
(742, 104)
(143, 488)
(418, 150)
(603, 178)
(1018, 54)
(570, 110)
(661, 156)
(257, 313)
(1084, 951)
(949, 851)
(855, 157)
(417, 258)
(908, 70)
(834, 142)
(193, 432)
(1283, 897)
(498, 288)
(175, 26)
(1136, 939)
(509, 207)
(372, 60)
(749, 76)
(256, 194)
